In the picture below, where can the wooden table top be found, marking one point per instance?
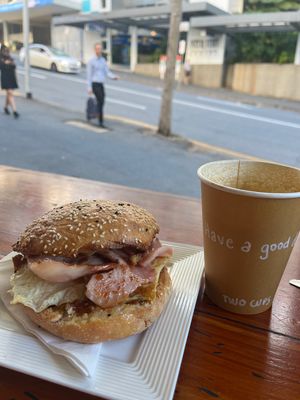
(227, 356)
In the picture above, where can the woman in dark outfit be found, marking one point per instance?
(8, 80)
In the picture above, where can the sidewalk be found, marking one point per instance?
(54, 140)
(222, 93)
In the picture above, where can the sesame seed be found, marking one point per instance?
(66, 246)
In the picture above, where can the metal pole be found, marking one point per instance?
(26, 48)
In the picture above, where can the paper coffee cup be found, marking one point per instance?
(251, 220)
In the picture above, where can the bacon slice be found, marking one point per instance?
(59, 269)
(56, 271)
(116, 256)
(114, 287)
(156, 251)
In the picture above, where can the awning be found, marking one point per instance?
(152, 17)
(38, 9)
(258, 22)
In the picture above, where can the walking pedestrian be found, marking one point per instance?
(8, 80)
(187, 69)
(97, 72)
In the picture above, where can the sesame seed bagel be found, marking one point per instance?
(99, 325)
(88, 226)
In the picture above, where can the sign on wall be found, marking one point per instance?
(18, 5)
(204, 49)
(90, 6)
(232, 6)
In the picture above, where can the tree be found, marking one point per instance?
(164, 127)
(276, 47)
(271, 5)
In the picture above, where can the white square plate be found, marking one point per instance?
(144, 366)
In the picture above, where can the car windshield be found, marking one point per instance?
(58, 52)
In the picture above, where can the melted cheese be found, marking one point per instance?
(148, 292)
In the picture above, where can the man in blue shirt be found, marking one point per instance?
(97, 72)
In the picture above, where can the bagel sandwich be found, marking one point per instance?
(92, 271)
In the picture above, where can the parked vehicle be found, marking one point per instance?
(55, 60)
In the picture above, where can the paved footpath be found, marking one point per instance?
(54, 140)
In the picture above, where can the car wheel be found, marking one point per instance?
(53, 67)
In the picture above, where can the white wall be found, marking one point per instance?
(68, 39)
(223, 4)
(232, 6)
(89, 40)
(236, 6)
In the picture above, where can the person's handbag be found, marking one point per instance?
(91, 108)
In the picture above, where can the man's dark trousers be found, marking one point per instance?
(98, 90)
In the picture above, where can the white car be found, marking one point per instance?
(56, 60)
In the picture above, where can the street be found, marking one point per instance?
(51, 139)
(266, 133)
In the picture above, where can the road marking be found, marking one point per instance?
(225, 102)
(135, 92)
(54, 75)
(127, 104)
(33, 75)
(86, 126)
(182, 102)
(119, 89)
(238, 114)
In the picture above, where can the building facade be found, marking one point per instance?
(41, 13)
(130, 30)
(127, 28)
